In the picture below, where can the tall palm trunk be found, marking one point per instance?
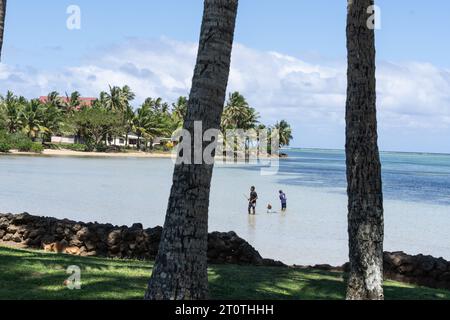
(180, 270)
(2, 23)
(365, 198)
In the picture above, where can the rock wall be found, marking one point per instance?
(422, 270)
(106, 240)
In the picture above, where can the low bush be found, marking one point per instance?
(37, 148)
(23, 145)
(4, 147)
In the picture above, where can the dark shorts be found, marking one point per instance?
(283, 206)
(251, 205)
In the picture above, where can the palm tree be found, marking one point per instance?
(180, 270)
(147, 124)
(118, 100)
(73, 102)
(179, 110)
(365, 197)
(284, 133)
(2, 23)
(238, 114)
(31, 118)
(51, 121)
(12, 107)
(54, 99)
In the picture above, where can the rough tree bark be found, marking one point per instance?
(365, 198)
(180, 270)
(2, 23)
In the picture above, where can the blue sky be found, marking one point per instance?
(301, 42)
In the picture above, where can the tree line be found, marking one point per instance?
(98, 122)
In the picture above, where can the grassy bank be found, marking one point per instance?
(28, 274)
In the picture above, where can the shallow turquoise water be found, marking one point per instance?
(314, 230)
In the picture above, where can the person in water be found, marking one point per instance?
(283, 200)
(252, 201)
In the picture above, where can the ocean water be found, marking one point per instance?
(313, 230)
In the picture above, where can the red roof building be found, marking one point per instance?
(86, 102)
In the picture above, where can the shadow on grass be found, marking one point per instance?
(37, 275)
(233, 282)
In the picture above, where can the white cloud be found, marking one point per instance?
(410, 95)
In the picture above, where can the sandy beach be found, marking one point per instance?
(70, 153)
(131, 154)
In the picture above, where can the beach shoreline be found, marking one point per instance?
(92, 154)
(71, 153)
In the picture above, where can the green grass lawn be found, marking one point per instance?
(28, 274)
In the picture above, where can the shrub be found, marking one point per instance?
(37, 148)
(24, 145)
(4, 147)
(20, 142)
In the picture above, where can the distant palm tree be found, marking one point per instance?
(179, 110)
(51, 119)
(55, 100)
(73, 102)
(11, 108)
(147, 124)
(180, 270)
(238, 114)
(118, 100)
(284, 133)
(2, 23)
(31, 118)
(365, 195)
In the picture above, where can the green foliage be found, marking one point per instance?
(95, 124)
(18, 141)
(4, 147)
(112, 116)
(284, 132)
(238, 114)
(35, 275)
(37, 148)
(24, 145)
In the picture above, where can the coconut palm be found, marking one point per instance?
(180, 270)
(118, 99)
(147, 124)
(365, 197)
(179, 110)
(11, 109)
(238, 114)
(2, 23)
(31, 118)
(284, 132)
(55, 100)
(51, 119)
(73, 102)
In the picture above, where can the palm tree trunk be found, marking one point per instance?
(2, 23)
(365, 197)
(180, 270)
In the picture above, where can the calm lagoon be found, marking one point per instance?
(313, 230)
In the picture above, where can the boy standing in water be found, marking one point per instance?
(283, 200)
(252, 201)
